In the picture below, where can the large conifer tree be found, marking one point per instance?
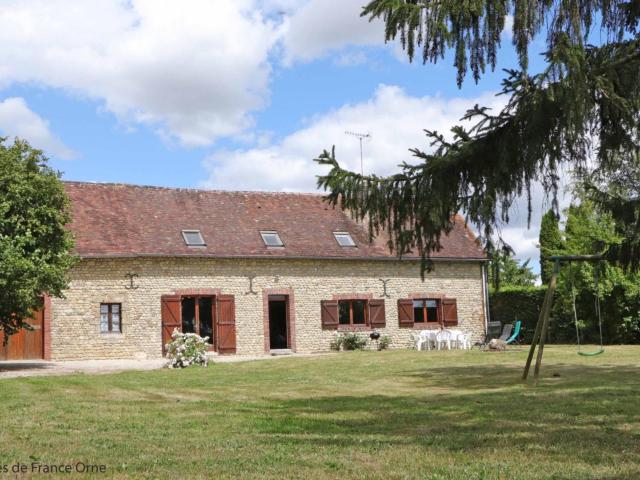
(580, 113)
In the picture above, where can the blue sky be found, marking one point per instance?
(228, 94)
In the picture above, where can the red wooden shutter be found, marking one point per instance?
(405, 312)
(226, 324)
(449, 312)
(376, 313)
(329, 314)
(171, 317)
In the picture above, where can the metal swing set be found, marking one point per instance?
(542, 327)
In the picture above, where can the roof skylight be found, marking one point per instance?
(193, 238)
(344, 239)
(271, 239)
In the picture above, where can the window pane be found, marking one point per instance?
(271, 239)
(418, 311)
(104, 308)
(115, 322)
(432, 310)
(343, 312)
(193, 238)
(344, 239)
(104, 322)
(206, 318)
(189, 315)
(358, 311)
(115, 308)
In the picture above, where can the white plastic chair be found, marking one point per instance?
(443, 337)
(425, 337)
(459, 338)
(462, 340)
(430, 337)
(417, 340)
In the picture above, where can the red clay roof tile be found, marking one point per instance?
(128, 220)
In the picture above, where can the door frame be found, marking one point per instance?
(226, 341)
(287, 329)
(288, 295)
(202, 292)
(213, 347)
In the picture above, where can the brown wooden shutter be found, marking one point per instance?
(226, 337)
(405, 312)
(329, 314)
(449, 312)
(376, 313)
(171, 317)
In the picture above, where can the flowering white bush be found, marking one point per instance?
(186, 349)
(336, 341)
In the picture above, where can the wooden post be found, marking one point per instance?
(545, 325)
(536, 336)
(543, 321)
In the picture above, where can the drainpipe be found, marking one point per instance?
(485, 294)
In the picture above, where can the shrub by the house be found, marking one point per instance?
(384, 342)
(348, 341)
(186, 349)
(353, 341)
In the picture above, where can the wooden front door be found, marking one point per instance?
(26, 344)
(220, 325)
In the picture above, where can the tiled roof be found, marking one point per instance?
(128, 220)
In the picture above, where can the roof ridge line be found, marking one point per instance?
(190, 189)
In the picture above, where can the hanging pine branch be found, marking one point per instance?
(584, 105)
(472, 28)
(618, 193)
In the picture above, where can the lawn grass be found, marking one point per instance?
(395, 414)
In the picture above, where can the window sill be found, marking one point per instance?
(427, 326)
(354, 328)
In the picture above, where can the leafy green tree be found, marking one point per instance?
(506, 271)
(579, 113)
(34, 244)
(589, 231)
(550, 243)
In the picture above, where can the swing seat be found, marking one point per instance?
(591, 354)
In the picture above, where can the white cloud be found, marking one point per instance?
(322, 26)
(394, 119)
(516, 233)
(507, 32)
(191, 70)
(351, 59)
(396, 122)
(18, 120)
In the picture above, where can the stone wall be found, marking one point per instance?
(75, 332)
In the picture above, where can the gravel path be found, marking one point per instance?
(31, 368)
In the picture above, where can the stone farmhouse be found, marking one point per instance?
(257, 273)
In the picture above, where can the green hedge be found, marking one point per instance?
(518, 303)
(620, 314)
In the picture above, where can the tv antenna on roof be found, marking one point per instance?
(360, 136)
